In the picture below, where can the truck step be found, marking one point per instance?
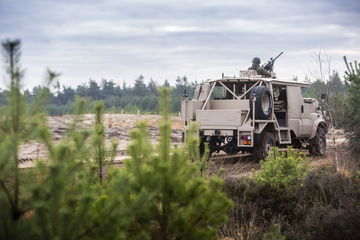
(284, 135)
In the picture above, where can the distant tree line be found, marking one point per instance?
(331, 94)
(141, 97)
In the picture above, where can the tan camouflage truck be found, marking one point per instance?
(251, 113)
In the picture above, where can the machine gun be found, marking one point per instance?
(270, 65)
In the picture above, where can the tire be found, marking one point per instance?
(231, 148)
(318, 143)
(214, 144)
(262, 149)
(263, 103)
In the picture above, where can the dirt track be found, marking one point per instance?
(119, 125)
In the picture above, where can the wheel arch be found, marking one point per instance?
(270, 127)
(319, 123)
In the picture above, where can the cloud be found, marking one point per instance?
(164, 39)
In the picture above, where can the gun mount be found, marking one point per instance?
(270, 64)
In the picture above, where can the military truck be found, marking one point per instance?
(251, 113)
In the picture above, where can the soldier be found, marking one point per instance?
(260, 70)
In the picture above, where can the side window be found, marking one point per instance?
(280, 93)
(201, 92)
(219, 92)
(241, 88)
(276, 93)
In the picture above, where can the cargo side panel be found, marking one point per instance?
(219, 119)
(188, 109)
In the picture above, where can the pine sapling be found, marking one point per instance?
(193, 149)
(101, 155)
(177, 203)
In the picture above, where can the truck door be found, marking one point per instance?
(294, 109)
(299, 112)
(306, 121)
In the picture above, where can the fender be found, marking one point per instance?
(316, 124)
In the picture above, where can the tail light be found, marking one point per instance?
(246, 139)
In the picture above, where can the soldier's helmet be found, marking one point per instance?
(256, 60)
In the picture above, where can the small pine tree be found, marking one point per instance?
(352, 112)
(101, 155)
(194, 151)
(57, 199)
(13, 128)
(177, 202)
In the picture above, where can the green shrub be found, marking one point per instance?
(357, 174)
(274, 233)
(282, 169)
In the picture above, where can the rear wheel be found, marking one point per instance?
(318, 143)
(215, 144)
(231, 147)
(267, 141)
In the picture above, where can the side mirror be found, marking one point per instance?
(324, 97)
(185, 95)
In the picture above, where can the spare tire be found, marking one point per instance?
(263, 102)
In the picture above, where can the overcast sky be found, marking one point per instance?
(162, 39)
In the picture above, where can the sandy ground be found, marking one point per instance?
(117, 128)
(119, 125)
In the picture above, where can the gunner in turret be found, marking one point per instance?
(260, 70)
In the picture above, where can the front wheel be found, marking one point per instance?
(263, 148)
(318, 143)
